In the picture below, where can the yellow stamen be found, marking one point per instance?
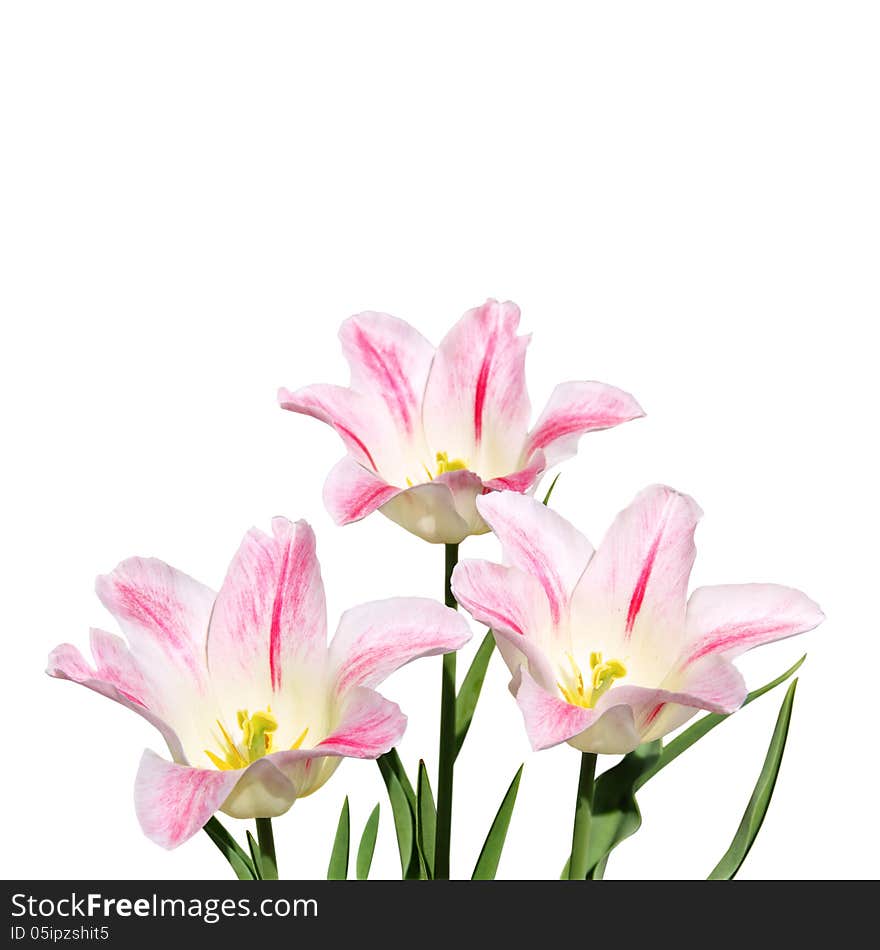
(218, 762)
(602, 678)
(445, 464)
(300, 739)
(257, 740)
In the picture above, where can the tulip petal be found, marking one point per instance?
(270, 613)
(370, 726)
(351, 414)
(573, 409)
(164, 614)
(522, 480)
(117, 677)
(513, 605)
(635, 587)
(549, 720)
(173, 801)
(431, 511)
(390, 361)
(540, 543)
(732, 618)
(375, 639)
(352, 492)
(476, 404)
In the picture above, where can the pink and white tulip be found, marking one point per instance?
(605, 649)
(429, 430)
(255, 708)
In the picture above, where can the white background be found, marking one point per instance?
(682, 197)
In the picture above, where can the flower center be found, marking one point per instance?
(444, 464)
(602, 677)
(257, 740)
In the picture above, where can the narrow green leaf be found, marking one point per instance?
(426, 818)
(254, 849)
(469, 692)
(338, 867)
(367, 846)
(756, 809)
(487, 863)
(392, 761)
(550, 489)
(404, 819)
(231, 850)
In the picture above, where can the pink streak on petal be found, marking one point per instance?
(638, 596)
(480, 391)
(653, 714)
(275, 625)
(386, 367)
(370, 726)
(375, 639)
(352, 491)
(739, 637)
(347, 433)
(520, 481)
(549, 720)
(173, 802)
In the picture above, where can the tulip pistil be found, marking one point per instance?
(257, 740)
(602, 676)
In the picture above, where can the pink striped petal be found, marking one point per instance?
(549, 720)
(371, 725)
(375, 639)
(714, 684)
(389, 360)
(352, 492)
(635, 588)
(117, 677)
(574, 409)
(476, 403)
(730, 619)
(540, 543)
(173, 802)
(351, 414)
(513, 605)
(523, 480)
(270, 613)
(164, 614)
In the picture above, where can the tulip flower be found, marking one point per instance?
(429, 430)
(605, 649)
(255, 708)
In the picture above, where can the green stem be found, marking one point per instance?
(443, 833)
(583, 819)
(266, 841)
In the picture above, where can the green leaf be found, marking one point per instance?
(392, 761)
(756, 809)
(550, 489)
(231, 850)
(487, 863)
(367, 845)
(404, 817)
(469, 693)
(254, 849)
(338, 868)
(426, 818)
